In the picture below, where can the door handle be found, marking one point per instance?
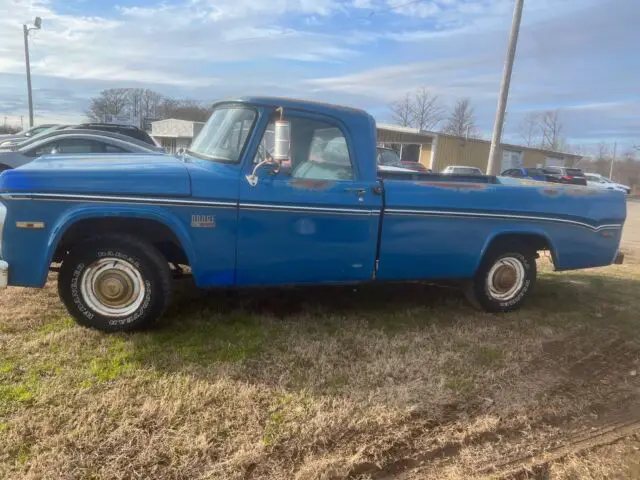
(357, 190)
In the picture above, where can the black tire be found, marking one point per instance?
(513, 256)
(148, 269)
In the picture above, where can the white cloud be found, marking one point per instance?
(573, 54)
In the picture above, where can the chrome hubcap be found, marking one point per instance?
(112, 287)
(506, 278)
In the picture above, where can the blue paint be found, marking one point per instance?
(299, 231)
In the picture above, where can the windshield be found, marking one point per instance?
(224, 135)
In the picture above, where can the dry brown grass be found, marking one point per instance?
(379, 382)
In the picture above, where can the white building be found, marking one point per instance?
(174, 134)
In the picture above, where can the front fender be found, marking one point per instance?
(85, 212)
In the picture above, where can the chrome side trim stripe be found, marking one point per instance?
(301, 208)
(504, 216)
(117, 199)
(185, 202)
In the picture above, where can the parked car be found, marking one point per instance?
(571, 176)
(71, 142)
(128, 130)
(539, 174)
(599, 181)
(462, 170)
(9, 140)
(415, 166)
(232, 213)
(388, 157)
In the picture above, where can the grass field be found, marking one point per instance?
(379, 382)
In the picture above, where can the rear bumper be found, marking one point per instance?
(4, 274)
(619, 258)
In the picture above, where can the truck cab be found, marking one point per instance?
(283, 192)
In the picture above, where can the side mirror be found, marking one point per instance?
(282, 141)
(281, 149)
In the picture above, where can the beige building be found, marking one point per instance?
(438, 150)
(174, 134)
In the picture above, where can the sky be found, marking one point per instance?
(579, 56)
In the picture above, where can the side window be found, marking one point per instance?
(328, 157)
(44, 149)
(318, 151)
(108, 148)
(517, 173)
(70, 146)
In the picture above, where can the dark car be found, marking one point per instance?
(417, 166)
(128, 130)
(572, 176)
(71, 142)
(531, 174)
(387, 157)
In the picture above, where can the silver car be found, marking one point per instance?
(12, 138)
(70, 142)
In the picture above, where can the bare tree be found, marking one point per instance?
(185, 110)
(402, 111)
(462, 121)
(151, 102)
(5, 129)
(113, 101)
(144, 103)
(529, 129)
(551, 127)
(427, 110)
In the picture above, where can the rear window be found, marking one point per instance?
(575, 172)
(552, 170)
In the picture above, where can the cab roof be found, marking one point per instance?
(296, 104)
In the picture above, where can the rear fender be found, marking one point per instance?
(516, 232)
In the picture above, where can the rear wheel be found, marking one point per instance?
(115, 283)
(505, 278)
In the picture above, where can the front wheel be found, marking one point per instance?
(504, 280)
(115, 283)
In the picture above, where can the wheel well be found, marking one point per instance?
(535, 242)
(156, 233)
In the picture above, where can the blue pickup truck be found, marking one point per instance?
(284, 192)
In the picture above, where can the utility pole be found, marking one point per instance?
(37, 23)
(494, 153)
(613, 160)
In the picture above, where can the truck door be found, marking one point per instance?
(313, 221)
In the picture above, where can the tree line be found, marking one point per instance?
(424, 110)
(141, 103)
